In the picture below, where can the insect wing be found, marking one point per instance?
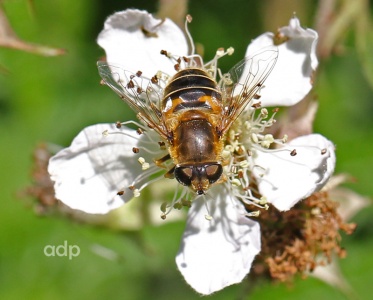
(140, 93)
(243, 82)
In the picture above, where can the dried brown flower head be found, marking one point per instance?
(296, 241)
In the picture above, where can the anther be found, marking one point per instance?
(130, 85)
(178, 206)
(254, 138)
(226, 154)
(138, 73)
(120, 193)
(316, 211)
(236, 182)
(285, 138)
(267, 141)
(264, 113)
(208, 217)
(105, 133)
(135, 150)
(293, 152)
(164, 207)
(323, 151)
(143, 163)
(229, 148)
(230, 50)
(118, 124)
(136, 193)
(139, 131)
(154, 79)
(253, 214)
(186, 203)
(220, 52)
(256, 105)
(189, 18)
(263, 200)
(244, 164)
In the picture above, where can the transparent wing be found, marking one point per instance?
(242, 84)
(143, 95)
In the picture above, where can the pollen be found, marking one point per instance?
(144, 165)
(136, 193)
(230, 50)
(285, 138)
(226, 154)
(208, 217)
(220, 52)
(267, 140)
(255, 213)
(236, 182)
(254, 138)
(264, 113)
(244, 164)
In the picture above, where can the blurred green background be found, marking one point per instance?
(53, 98)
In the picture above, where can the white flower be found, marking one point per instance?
(99, 173)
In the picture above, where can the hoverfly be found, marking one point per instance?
(191, 111)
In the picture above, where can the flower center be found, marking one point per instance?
(246, 136)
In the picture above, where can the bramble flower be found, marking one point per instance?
(109, 164)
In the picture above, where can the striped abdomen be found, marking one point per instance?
(191, 89)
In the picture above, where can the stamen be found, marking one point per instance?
(212, 66)
(177, 202)
(188, 19)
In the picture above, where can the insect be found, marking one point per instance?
(191, 111)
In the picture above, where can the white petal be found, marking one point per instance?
(134, 39)
(284, 179)
(89, 174)
(217, 253)
(291, 79)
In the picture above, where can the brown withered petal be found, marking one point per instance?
(296, 241)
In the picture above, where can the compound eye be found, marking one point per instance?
(214, 172)
(184, 175)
